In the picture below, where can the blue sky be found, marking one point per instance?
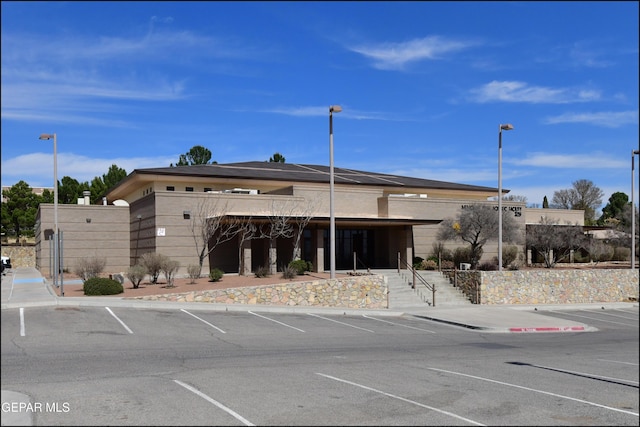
(424, 87)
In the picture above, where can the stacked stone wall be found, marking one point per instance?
(548, 286)
(352, 292)
(21, 255)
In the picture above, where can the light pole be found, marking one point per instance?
(56, 261)
(332, 217)
(633, 212)
(502, 127)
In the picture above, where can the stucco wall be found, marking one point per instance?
(368, 291)
(549, 286)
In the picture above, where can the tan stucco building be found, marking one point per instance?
(378, 217)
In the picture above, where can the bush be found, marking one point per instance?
(87, 268)
(102, 286)
(417, 261)
(300, 266)
(621, 254)
(215, 275)
(509, 255)
(262, 271)
(169, 269)
(447, 265)
(462, 254)
(136, 274)
(153, 262)
(487, 266)
(428, 264)
(194, 272)
(289, 272)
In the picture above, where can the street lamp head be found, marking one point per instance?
(335, 109)
(636, 152)
(507, 126)
(46, 136)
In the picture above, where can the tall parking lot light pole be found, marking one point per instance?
(633, 212)
(502, 127)
(332, 217)
(56, 248)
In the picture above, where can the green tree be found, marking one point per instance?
(277, 158)
(545, 203)
(615, 208)
(69, 190)
(100, 185)
(19, 211)
(583, 196)
(197, 155)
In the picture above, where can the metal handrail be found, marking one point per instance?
(429, 286)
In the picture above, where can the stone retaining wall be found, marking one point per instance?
(352, 292)
(21, 256)
(549, 286)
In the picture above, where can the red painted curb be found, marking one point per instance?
(549, 329)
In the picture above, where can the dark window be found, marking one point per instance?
(171, 188)
(207, 189)
(188, 189)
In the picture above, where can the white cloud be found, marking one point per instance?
(606, 118)
(515, 91)
(81, 168)
(571, 161)
(394, 56)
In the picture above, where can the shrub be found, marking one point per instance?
(215, 275)
(194, 272)
(136, 274)
(87, 268)
(153, 261)
(169, 269)
(447, 265)
(299, 266)
(262, 271)
(417, 261)
(487, 266)
(509, 255)
(462, 254)
(102, 286)
(289, 272)
(428, 264)
(621, 254)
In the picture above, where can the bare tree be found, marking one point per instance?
(279, 226)
(477, 224)
(554, 242)
(247, 230)
(583, 196)
(210, 226)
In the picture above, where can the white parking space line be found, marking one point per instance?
(273, 320)
(635, 318)
(399, 324)
(617, 361)
(588, 317)
(203, 321)
(121, 322)
(342, 323)
(536, 391)
(23, 331)
(215, 402)
(402, 399)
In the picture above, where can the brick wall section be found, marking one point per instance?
(21, 256)
(351, 292)
(549, 286)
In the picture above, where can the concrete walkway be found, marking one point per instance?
(25, 287)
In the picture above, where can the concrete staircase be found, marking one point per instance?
(402, 296)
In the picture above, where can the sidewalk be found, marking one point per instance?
(25, 287)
